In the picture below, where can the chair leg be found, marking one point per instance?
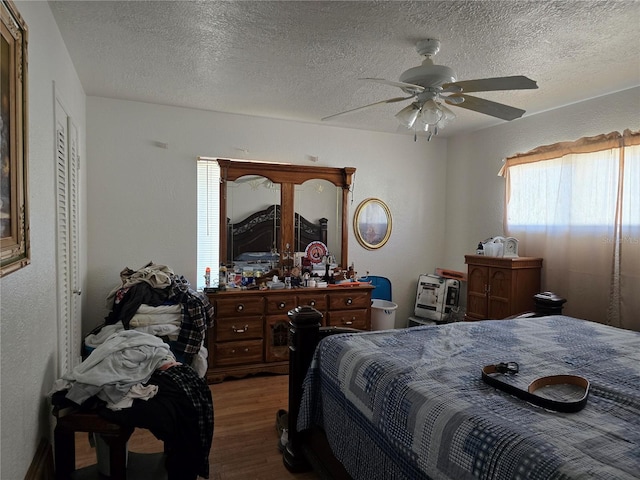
(117, 454)
(64, 453)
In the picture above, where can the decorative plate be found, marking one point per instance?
(315, 251)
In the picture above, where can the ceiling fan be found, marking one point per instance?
(432, 86)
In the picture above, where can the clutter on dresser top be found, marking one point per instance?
(316, 267)
(498, 246)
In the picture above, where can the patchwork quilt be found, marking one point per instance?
(411, 403)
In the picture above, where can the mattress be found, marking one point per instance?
(411, 404)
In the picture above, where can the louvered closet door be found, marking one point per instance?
(67, 195)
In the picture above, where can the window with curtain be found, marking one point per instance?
(577, 205)
(208, 220)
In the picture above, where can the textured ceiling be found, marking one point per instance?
(301, 61)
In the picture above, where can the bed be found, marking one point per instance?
(250, 241)
(411, 404)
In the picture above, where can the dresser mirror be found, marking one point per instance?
(269, 211)
(253, 200)
(317, 200)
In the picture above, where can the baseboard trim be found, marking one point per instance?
(41, 467)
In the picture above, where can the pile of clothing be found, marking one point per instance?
(154, 300)
(133, 379)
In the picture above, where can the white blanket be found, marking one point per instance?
(126, 358)
(146, 319)
(175, 308)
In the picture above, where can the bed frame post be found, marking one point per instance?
(304, 334)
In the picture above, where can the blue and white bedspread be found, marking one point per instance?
(411, 404)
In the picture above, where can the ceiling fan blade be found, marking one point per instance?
(390, 100)
(518, 82)
(481, 105)
(405, 86)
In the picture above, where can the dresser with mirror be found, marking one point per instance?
(270, 213)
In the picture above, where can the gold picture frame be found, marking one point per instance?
(372, 223)
(14, 212)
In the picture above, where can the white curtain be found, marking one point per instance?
(577, 205)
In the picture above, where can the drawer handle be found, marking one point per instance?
(349, 322)
(245, 350)
(281, 305)
(312, 303)
(349, 301)
(239, 307)
(240, 330)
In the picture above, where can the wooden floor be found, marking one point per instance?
(245, 441)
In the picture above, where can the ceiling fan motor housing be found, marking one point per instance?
(428, 75)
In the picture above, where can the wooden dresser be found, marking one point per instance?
(499, 287)
(251, 327)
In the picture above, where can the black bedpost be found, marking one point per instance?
(304, 334)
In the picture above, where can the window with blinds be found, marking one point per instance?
(208, 220)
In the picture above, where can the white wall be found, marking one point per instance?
(142, 200)
(139, 191)
(475, 194)
(28, 298)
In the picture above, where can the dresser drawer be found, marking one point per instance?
(356, 318)
(317, 301)
(342, 300)
(277, 304)
(230, 307)
(238, 328)
(237, 353)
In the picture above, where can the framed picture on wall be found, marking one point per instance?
(372, 223)
(14, 212)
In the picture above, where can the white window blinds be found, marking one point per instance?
(208, 220)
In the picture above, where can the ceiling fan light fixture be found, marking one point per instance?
(432, 118)
(408, 115)
(431, 113)
(447, 117)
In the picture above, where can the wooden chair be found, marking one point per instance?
(69, 421)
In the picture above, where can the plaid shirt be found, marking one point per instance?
(197, 391)
(197, 316)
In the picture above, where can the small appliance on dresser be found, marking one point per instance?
(436, 298)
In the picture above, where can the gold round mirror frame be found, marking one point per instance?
(372, 223)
